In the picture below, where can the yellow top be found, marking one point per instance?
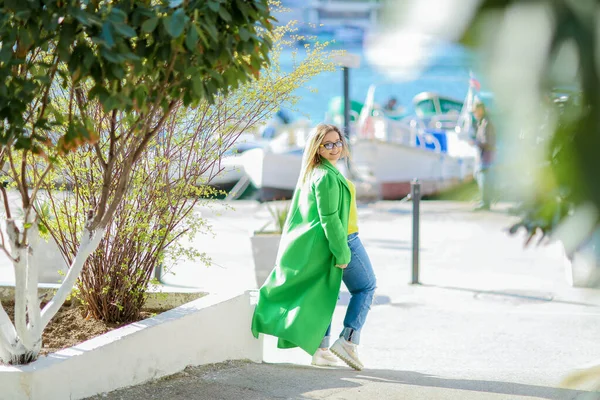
(353, 217)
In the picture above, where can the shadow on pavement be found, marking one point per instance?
(248, 381)
(529, 296)
(508, 388)
(378, 300)
(307, 382)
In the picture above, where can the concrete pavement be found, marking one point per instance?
(490, 320)
(247, 381)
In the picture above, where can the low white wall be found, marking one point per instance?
(211, 329)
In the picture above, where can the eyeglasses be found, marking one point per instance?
(329, 146)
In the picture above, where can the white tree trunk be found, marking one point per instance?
(21, 270)
(34, 260)
(8, 336)
(21, 343)
(18, 337)
(87, 245)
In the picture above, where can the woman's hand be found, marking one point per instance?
(342, 266)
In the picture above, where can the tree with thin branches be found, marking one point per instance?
(127, 67)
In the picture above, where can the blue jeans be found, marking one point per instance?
(360, 280)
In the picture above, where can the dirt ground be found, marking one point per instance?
(70, 327)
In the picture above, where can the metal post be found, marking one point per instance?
(415, 193)
(158, 268)
(158, 272)
(347, 102)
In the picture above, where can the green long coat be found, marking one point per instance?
(297, 301)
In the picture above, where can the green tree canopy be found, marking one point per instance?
(128, 54)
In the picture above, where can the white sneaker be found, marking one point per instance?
(324, 358)
(347, 352)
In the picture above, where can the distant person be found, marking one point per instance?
(391, 104)
(393, 109)
(319, 248)
(485, 140)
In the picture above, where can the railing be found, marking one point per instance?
(405, 132)
(372, 124)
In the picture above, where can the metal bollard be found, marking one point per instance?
(158, 272)
(347, 102)
(415, 193)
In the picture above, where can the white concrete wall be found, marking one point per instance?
(211, 329)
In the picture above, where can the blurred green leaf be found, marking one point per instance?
(175, 24)
(214, 5)
(124, 30)
(198, 86)
(150, 25)
(106, 35)
(191, 39)
(244, 34)
(6, 53)
(224, 14)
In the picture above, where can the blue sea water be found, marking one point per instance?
(447, 73)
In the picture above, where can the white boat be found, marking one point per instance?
(274, 168)
(395, 165)
(229, 170)
(273, 174)
(389, 152)
(394, 153)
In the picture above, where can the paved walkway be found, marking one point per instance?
(491, 320)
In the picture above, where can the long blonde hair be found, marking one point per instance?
(311, 157)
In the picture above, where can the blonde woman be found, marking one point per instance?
(319, 248)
